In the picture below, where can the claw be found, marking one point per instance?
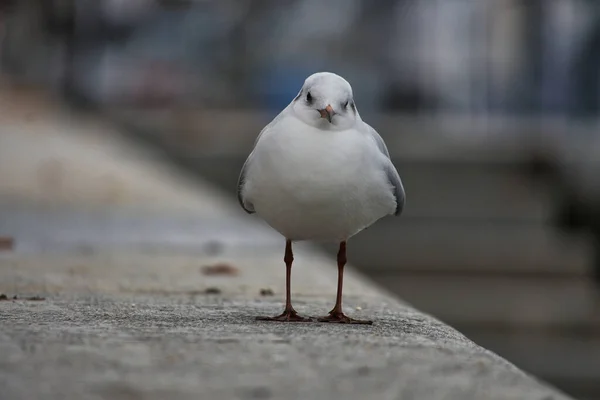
(286, 316)
(341, 318)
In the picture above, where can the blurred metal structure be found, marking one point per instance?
(498, 57)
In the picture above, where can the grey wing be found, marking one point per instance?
(396, 183)
(378, 140)
(248, 207)
(390, 171)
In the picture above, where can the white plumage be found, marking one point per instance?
(311, 179)
(318, 172)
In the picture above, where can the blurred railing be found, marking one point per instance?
(424, 56)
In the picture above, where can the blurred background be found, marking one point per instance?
(490, 110)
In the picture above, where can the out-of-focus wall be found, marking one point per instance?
(425, 56)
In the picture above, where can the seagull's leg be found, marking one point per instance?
(289, 314)
(337, 315)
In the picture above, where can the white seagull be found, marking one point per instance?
(319, 172)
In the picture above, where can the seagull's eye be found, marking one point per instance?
(346, 104)
(309, 97)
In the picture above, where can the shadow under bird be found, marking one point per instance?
(319, 172)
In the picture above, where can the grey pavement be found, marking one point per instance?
(115, 242)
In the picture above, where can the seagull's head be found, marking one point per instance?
(325, 102)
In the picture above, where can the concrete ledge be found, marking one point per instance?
(129, 313)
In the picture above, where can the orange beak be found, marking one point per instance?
(327, 113)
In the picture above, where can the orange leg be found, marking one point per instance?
(337, 315)
(289, 314)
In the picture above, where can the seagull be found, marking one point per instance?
(318, 172)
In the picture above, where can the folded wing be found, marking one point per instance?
(390, 170)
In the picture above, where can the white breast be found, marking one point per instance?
(313, 184)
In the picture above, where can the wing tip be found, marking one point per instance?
(248, 211)
(243, 204)
(400, 202)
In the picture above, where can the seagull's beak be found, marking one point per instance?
(327, 113)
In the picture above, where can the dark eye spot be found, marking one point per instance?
(346, 104)
(309, 97)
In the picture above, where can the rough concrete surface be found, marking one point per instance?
(141, 326)
(209, 347)
(129, 310)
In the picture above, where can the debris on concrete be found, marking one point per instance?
(266, 292)
(4, 297)
(7, 243)
(35, 298)
(212, 290)
(220, 269)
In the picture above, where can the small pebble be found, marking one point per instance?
(266, 292)
(358, 308)
(3, 297)
(220, 269)
(212, 290)
(6, 243)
